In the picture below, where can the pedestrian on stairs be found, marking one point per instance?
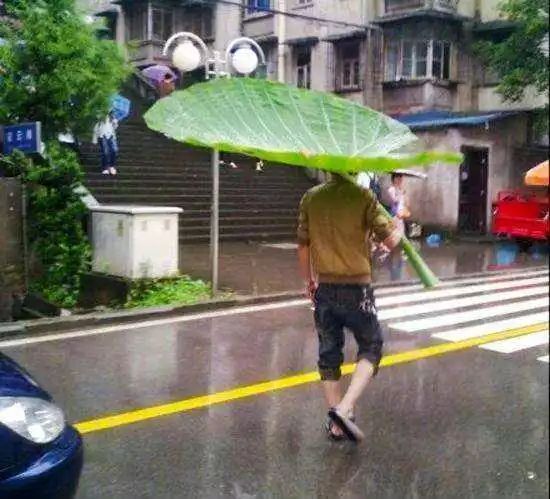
(337, 222)
(105, 135)
(167, 85)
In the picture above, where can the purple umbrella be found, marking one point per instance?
(157, 73)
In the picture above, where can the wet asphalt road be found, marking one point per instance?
(472, 423)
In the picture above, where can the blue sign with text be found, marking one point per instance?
(26, 137)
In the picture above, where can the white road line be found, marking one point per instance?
(544, 358)
(466, 290)
(516, 344)
(468, 316)
(466, 333)
(437, 306)
(153, 323)
(508, 276)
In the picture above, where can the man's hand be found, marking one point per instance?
(393, 240)
(311, 288)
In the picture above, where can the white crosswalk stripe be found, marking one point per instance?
(459, 282)
(468, 332)
(445, 293)
(520, 343)
(470, 315)
(462, 309)
(455, 303)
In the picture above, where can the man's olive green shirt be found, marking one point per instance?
(338, 220)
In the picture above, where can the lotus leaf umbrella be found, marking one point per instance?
(287, 125)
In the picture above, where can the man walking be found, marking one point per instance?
(337, 222)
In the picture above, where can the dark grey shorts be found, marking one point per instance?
(339, 306)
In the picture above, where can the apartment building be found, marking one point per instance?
(143, 26)
(412, 59)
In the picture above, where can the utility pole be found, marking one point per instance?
(281, 38)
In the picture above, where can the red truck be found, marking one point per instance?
(521, 216)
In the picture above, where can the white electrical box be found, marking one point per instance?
(135, 241)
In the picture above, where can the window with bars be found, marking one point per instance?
(397, 5)
(441, 65)
(255, 6)
(198, 21)
(411, 60)
(163, 24)
(303, 67)
(137, 24)
(350, 66)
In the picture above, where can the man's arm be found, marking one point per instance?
(304, 253)
(304, 261)
(380, 224)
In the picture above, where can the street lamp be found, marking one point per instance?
(241, 56)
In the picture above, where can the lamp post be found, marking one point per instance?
(241, 56)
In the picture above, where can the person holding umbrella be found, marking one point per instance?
(167, 85)
(338, 221)
(105, 135)
(396, 199)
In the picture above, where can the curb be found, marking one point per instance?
(72, 322)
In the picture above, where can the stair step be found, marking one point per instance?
(194, 190)
(154, 170)
(242, 236)
(238, 221)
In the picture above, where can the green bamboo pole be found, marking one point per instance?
(427, 277)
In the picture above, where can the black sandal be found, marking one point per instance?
(329, 425)
(347, 425)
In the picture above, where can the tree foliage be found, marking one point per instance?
(53, 69)
(521, 59)
(55, 216)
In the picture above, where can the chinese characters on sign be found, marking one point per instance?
(26, 137)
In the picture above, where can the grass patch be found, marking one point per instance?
(176, 291)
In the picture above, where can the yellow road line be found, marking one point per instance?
(138, 415)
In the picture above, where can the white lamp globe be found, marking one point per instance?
(186, 57)
(245, 60)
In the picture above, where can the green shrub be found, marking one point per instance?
(54, 221)
(154, 292)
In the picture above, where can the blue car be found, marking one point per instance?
(40, 455)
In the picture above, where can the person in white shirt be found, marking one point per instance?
(369, 180)
(105, 134)
(397, 201)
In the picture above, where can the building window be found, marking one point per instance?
(393, 50)
(397, 5)
(303, 67)
(410, 60)
(137, 24)
(198, 21)
(163, 24)
(350, 67)
(441, 65)
(254, 6)
(401, 5)
(302, 3)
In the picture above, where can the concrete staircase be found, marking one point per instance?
(154, 170)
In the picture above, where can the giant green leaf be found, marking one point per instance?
(284, 124)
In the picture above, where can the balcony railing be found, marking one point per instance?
(394, 6)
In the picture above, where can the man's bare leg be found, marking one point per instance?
(359, 381)
(333, 396)
(333, 392)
